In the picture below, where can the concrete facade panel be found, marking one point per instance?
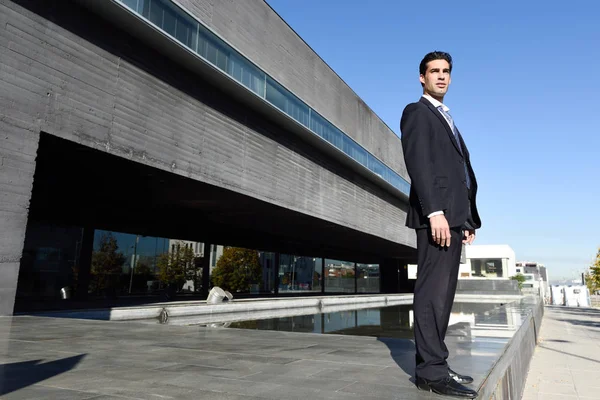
(18, 147)
(7, 300)
(117, 107)
(253, 28)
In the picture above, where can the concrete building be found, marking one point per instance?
(210, 121)
(483, 262)
(489, 262)
(537, 278)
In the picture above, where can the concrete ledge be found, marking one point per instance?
(506, 380)
(252, 308)
(243, 308)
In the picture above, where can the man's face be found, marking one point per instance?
(436, 79)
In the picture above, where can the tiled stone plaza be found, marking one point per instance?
(64, 358)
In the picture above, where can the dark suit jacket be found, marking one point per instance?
(436, 168)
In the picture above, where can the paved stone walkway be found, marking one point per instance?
(67, 359)
(71, 359)
(566, 362)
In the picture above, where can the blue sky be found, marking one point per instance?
(524, 86)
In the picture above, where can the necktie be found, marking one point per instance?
(457, 138)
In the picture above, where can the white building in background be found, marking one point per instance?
(570, 295)
(483, 262)
(536, 276)
(489, 262)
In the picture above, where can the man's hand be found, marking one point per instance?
(440, 231)
(469, 236)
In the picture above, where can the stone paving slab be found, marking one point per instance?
(63, 358)
(566, 362)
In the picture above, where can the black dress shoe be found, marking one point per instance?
(459, 378)
(446, 387)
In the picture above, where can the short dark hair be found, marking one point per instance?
(434, 55)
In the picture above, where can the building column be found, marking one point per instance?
(276, 272)
(205, 263)
(18, 149)
(405, 285)
(85, 263)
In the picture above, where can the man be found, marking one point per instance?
(443, 212)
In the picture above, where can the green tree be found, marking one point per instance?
(237, 269)
(592, 277)
(107, 264)
(177, 267)
(519, 278)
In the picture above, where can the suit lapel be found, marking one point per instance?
(443, 121)
(463, 146)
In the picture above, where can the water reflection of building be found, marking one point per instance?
(391, 322)
(484, 262)
(467, 322)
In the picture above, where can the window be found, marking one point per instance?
(215, 52)
(489, 267)
(286, 102)
(352, 148)
(376, 166)
(186, 31)
(300, 274)
(267, 261)
(367, 278)
(131, 4)
(248, 75)
(326, 130)
(339, 276)
(214, 255)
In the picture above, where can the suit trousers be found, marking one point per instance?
(437, 277)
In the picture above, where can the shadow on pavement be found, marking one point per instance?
(579, 322)
(403, 354)
(15, 376)
(569, 354)
(576, 310)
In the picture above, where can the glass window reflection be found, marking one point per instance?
(376, 166)
(489, 267)
(133, 4)
(300, 274)
(326, 130)
(286, 102)
(248, 75)
(267, 261)
(339, 276)
(368, 278)
(351, 148)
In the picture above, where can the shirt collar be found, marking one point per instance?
(436, 103)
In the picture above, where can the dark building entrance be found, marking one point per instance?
(98, 225)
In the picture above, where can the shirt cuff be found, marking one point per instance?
(433, 214)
